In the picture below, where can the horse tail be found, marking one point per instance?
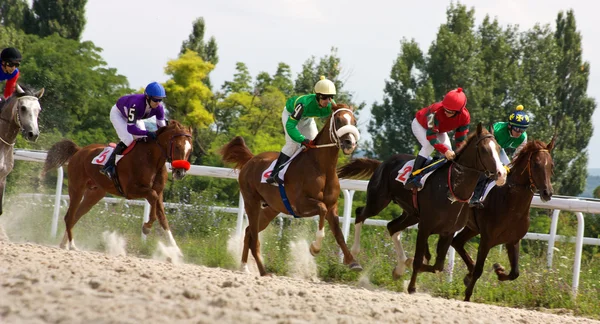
(236, 152)
(359, 168)
(59, 154)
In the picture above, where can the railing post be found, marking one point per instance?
(552, 239)
(578, 250)
(348, 196)
(58, 195)
(146, 218)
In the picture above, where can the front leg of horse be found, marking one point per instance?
(334, 225)
(395, 228)
(442, 249)
(162, 218)
(422, 237)
(482, 254)
(2, 187)
(513, 256)
(458, 243)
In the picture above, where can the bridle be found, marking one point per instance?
(335, 134)
(177, 164)
(17, 118)
(532, 185)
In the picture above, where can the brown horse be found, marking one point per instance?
(142, 174)
(17, 113)
(504, 219)
(311, 184)
(437, 207)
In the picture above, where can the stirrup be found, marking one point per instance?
(476, 204)
(108, 172)
(275, 181)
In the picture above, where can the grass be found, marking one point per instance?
(204, 237)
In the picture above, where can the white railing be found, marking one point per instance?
(558, 203)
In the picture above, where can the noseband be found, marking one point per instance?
(334, 135)
(177, 164)
(532, 185)
(488, 174)
(17, 117)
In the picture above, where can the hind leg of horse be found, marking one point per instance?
(458, 243)
(513, 256)
(75, 196)
(395, 228)
(2, 187)
(257, 221)
(334, 225)
(442, 249)
(422, 237)
(90, 198)
(375, 204)
(482, 254)
(164, 222)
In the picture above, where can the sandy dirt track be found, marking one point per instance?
(40, 284)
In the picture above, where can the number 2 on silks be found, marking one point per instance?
(402, 174)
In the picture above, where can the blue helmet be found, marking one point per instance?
(519, 118)
(154, 89)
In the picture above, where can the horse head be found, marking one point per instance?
(482, 148)
(536, 159)
(342, 128)
(176, 141)
(26, 106)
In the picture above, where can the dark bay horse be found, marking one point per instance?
(504, 219)
(311, 184)
(17, 113)
(439, 204)
(142, 174)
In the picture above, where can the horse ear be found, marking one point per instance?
(491, 128)
(40, 93)
(19, 89)
(479, 129)
(552, 143)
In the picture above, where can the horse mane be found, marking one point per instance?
(469, 139)
(530, 147)
(173, 124)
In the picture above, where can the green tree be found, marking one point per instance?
(15, 14)
(65, 17)
(242, 80)
(206, 50)
(391, 123)
(282, 79)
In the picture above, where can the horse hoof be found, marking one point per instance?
(467, 280)
(409, 262)
(314, 251)
(145, 230)
(355, 266)
(395, 275)
(412, 290)
(498, 268)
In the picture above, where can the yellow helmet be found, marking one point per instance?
(324, 86)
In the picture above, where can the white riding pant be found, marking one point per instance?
(306, 126)
(120, 124)
(503, 157)
(421, 134)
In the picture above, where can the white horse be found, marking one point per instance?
(18, 113)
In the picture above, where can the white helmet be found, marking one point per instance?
(324, 86)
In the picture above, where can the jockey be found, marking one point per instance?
(10, 59)
(127, 116)
(510, 135)
(298, 123)
(431, 125)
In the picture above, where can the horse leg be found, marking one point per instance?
(395, 228)
(164, 222)
(75, 196)
(2, 187)
(375, 204)
(513, 257)
(251, 239)
(334, 225)
(422, 237)
(315, 246)
(482, 253)
(458, 243)
(442, 249)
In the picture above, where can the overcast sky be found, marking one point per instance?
(139, 38)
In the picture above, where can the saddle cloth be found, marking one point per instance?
(267, 173)
(102, 158)
(407, 169)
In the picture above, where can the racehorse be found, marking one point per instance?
(18, 113)
(311, 184)
(437, 207)
(504, 219)
(141, 173)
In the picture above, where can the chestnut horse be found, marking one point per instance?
(17, 113)
(142, 174)
(437, 207)
(311, 184)
(504, 219)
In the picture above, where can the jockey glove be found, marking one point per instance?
(308, 143)
(151, 135)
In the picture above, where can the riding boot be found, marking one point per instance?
(476, 201)
(109, 168)
(274, 177)
(414, 181)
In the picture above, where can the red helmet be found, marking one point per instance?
(455, 100)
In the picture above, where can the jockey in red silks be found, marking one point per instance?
(127, 116)
(10, 59)
(431, 125)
